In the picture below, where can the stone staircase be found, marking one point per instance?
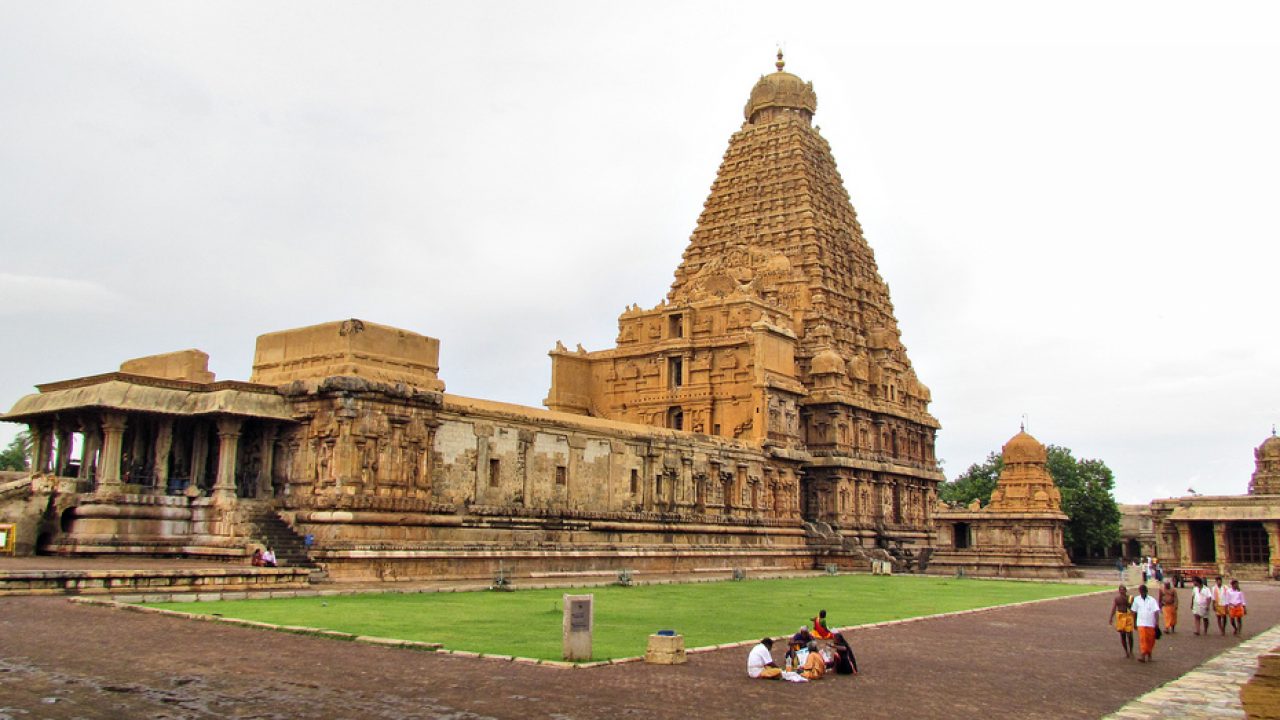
(275, 533)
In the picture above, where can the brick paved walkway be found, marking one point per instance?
(1210, 692)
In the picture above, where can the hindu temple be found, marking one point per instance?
(764, 414)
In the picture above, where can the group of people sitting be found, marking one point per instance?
(809, 655)
(263, 558)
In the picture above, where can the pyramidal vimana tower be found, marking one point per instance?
(779, 330)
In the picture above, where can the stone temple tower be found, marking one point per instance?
(1266, 474)
(778, 330)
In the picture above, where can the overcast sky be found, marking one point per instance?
(1074, 204)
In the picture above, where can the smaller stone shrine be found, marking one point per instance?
(1019, 533)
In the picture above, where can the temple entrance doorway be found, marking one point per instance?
(1203, 548)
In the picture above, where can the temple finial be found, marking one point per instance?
(780, 64)
(1273, 429)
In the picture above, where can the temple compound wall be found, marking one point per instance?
(1230, 535)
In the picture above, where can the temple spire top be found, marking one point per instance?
(781, 63)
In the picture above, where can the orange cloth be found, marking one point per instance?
(1146, 640)
(820, 630)
(813, 668)
(1170, 616)
(1124, 622)
(1235, 611)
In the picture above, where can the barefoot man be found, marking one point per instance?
(1123, 619)
(1220, 604)
(1146, 612)
(1169, 607)
(1201, 605)
(1235, 607)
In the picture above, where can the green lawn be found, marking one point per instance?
(527, 623)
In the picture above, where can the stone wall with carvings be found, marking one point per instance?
(358, 442)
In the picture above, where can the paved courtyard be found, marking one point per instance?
(1055, 659)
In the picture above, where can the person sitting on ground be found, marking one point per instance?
(256, 560)
(813, 668)
(845, 663)
(760, 662)
(820, 629)
(268, 558)
(796, 647)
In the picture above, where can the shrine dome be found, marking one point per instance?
(781, 90)
(1270, 447)
(1022, 448)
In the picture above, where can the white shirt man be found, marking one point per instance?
(760, 662)
(1201, 601)
(1147, 610)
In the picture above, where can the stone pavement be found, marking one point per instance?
(1211, 691)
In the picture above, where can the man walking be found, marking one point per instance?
(1146, 617)
(1220, 604)
(1235, 607)
(1169, 606)
(1201, 605)
(1123, 619)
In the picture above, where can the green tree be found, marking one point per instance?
(1087, 488)
(16, 455)
(976, 483)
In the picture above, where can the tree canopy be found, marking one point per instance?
(14, 457)
(1087, 488)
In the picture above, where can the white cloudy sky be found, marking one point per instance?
(1074, 203)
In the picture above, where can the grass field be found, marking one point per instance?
(527, 623)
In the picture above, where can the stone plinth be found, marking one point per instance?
(665, 650)
(189, 365)
(355, 348)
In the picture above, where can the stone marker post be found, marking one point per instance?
(579, 620)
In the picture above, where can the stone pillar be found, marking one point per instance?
(112, 444)
(1220, 548)
(41, 448)
(224, 487)
(267, 451)
(199, 456)
(1273, 546)
(426, 474)
(163, 444)
(92, 444)
(64, 450)
(483, 481)
(1185, 549)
